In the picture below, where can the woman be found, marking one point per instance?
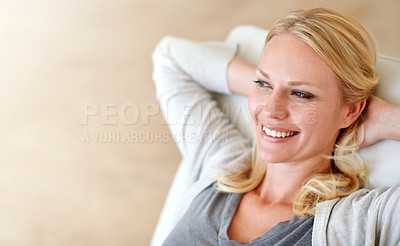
(303, 183)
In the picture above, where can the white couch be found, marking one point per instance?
(382, 159)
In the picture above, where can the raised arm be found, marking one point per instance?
(382, 122)
(185, 71)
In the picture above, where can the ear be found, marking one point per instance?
(353, 111)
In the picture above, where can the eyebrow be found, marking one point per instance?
(292, 83)
(298, 83)
(263, 73)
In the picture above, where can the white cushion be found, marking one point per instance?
(382, 159)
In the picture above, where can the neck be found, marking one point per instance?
(282, 181)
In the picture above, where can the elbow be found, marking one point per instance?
(163, 47)
(162, 58)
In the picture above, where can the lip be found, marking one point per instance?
(277, 139)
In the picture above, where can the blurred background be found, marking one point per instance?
(85, 155)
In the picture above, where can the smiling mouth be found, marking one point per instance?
(278, 134)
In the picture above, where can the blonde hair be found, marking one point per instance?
(349, 50)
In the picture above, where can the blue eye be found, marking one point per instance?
(302, 95)
(262, 84)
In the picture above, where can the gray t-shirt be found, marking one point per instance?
(208, 218)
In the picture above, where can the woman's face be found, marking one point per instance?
(296, 107)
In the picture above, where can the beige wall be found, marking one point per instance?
(60, 60)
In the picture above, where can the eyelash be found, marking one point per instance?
(298, 94)
(260, 83)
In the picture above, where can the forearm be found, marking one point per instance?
(382, 122)
(391, 123)
(240, 76)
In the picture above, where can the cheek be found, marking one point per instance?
(254, 103)
(322, 120)
(304, 114)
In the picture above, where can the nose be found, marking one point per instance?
(276, 106)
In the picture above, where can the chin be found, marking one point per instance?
(270, 156)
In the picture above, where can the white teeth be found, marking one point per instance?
(276, 134)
